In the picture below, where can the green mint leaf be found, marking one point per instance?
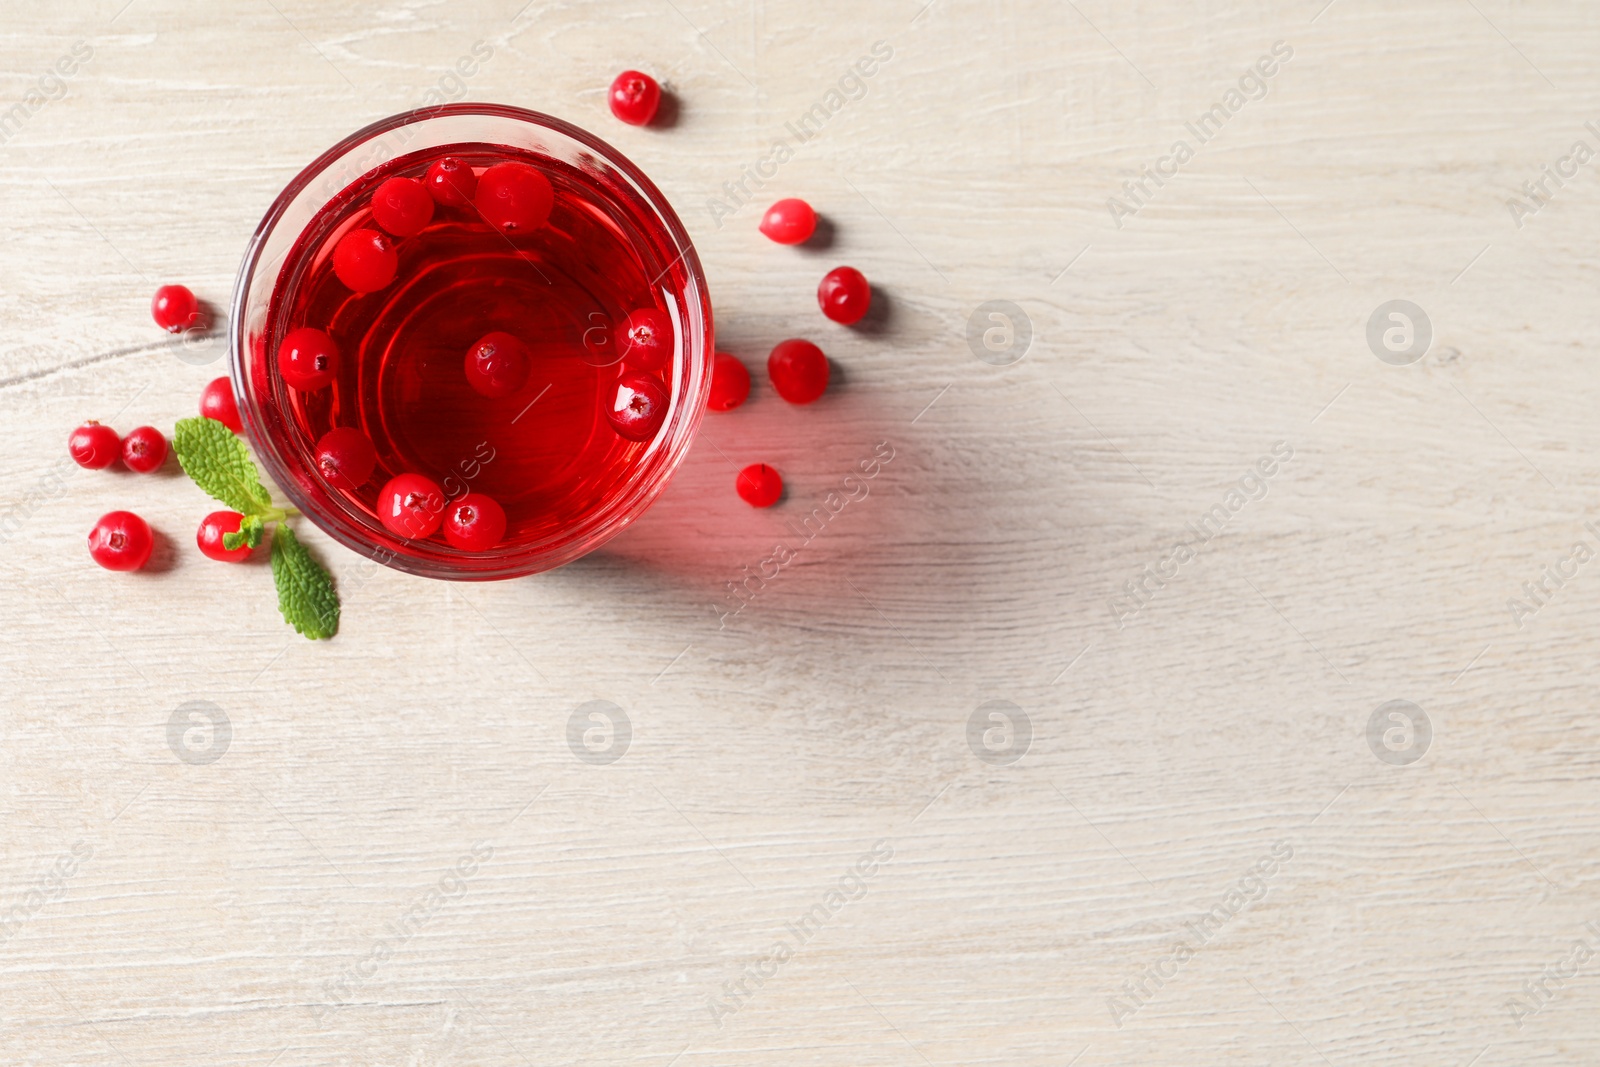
(248, 533)
(220, 464)
(305, 588)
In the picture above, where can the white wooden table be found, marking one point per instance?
(1183, 846)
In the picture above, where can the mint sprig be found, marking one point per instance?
(220, 463)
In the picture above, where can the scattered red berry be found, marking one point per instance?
(216, 402)
(365, 260)
(730, 383)
(410, 505)
(639, 408)
(759, 485)
(402, 206)
(514, 197)
(308, 359)
(94, 446)
(345, 457)
(498, 365)
(844, 295)
(635, 97)
(799, 371)
(646, 339)
(121, 541)
(174, 308)
(209, 536)
(474, 523)
(144, 450)
(789, 222)
(452, 182)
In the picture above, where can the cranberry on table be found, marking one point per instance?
(474, 523)
(638, 407)
(451, 182)
(844, 295)
(216, 402)
(789, 222)
(498, 365)
(346, 457)
(646, 339)
(799, 371)
(144, 450)
(759, 485)
(730, 383)
(121, 541)
(308, 359)
(403, 206)
(634, 97)
(209, 537)
(94, 446)
(174, 308)
(514, 197)
(410, 505)
(365, 260)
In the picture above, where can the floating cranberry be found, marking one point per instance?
(646, 339)
(144, 450)
(121, 541)
(474, 523)
(639, 407)
(759, 485)
(635, 97)
(402, 206)
(174, 308)
(94, 446)
(799, 371)
(452, 182)
(308, 359)
(410, 505)
(345, 457)
(789, 222)
(730, 383)
(498, 365)
(844, 295)
(514, 197)
(209, 537)
(365, 260)
(216, 402)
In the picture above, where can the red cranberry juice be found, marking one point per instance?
(547, 452)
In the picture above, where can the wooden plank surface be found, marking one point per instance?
(807, 853)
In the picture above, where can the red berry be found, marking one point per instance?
(365, 260)
(402, 206)
(759, 485)
(498, 365)
(639, 408)
(789, 222)
(514, 197)
(410, 505)
(730, 383)
(94, 446)
(635, 97)
(308, 359)
(121, 541)
(452, 182)
(474, 523)
(799, 371)
(174, 308)
(345, 457)
(216, 402)
(646, 339)
(844, 295)
(209, 536)
(144, 450)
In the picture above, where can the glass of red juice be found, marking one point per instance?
(536, 239)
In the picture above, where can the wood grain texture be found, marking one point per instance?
(399, 860)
